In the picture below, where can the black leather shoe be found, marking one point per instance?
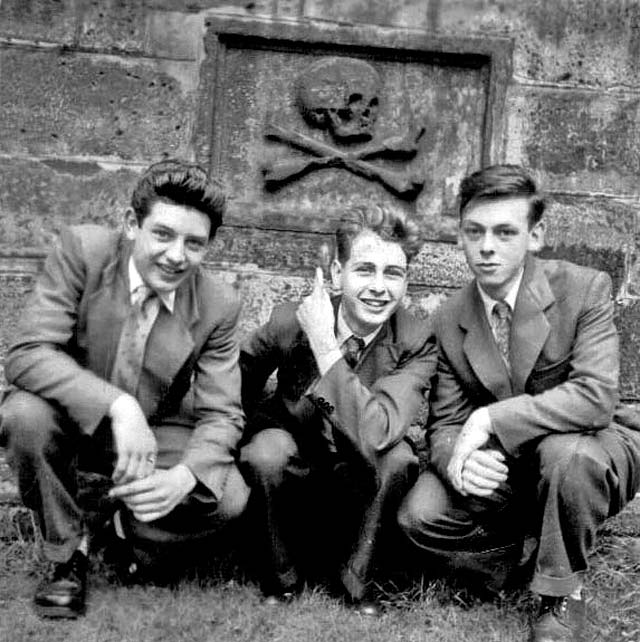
(63, 595)
(274, 599)
(560, 619)
(367, 608)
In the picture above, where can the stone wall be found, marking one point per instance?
(93, 91)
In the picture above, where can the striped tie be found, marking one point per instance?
(352, 349)
(501, 315)
(133, 339)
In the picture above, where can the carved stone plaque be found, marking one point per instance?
(301, 121)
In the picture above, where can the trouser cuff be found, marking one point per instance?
(556, 586)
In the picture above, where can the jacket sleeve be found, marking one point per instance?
(587, 399)
(210, 451)
(259, 358)
(449, 408)
(375, 419)
(39, 360)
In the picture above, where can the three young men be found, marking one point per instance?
(522, 419)
(327, 452)
(126, 366)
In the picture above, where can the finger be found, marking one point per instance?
(479, 481)
(478, 468)
(471, 489)
(149, 517)
(319, 280)
(131, 488)
(120, 468)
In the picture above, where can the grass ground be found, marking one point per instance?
(231, 610)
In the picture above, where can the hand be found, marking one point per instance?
(156, 495)
(315, 315)
(483, 472)
(474, 434)
(134, 442)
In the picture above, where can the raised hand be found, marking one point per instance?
(315, 315)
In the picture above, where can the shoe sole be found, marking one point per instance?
(58, 612)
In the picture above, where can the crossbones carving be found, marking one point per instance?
(279, 172)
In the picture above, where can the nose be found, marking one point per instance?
(487, 245)
(175, 251)
(377, 282)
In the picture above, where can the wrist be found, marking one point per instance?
(186, 478)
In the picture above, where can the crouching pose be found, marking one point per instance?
(126, 382)
(525, 433)
(327, 459)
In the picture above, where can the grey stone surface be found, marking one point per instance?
(69, 104)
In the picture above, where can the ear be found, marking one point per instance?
(336, 274)
(130, 224)
(536, 237)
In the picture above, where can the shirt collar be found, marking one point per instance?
(344, 331)
(135, 281)
(509, 299)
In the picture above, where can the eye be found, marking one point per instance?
(161, 235)
(196, 245)
(395, 273)
(506, 233)
(472, 233)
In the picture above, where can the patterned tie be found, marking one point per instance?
(133, 339)
(352, 349)
(501, 314)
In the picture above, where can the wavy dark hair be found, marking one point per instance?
(501, 181)
(182, 183)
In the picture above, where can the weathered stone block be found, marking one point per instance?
(628, 323)
(175, 35)
(595, 43)
(114, 25)
(73, 104)
(38, 197)
(576, 140)
(43, 20)
(406, 13)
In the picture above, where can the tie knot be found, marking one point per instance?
(141, 295)
(502, 310)
(352, 348)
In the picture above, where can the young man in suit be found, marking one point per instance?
(352, 373)
(522, 420)
(126, 365)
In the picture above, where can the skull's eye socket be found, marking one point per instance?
(355, 98)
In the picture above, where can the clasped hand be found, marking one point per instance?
(473, 471)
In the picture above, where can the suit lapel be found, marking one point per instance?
(480, 347)
(107, 308)
(529, 328)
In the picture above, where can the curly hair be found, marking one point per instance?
(182, 183)
(389, 225)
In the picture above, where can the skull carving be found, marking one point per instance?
(341, 95)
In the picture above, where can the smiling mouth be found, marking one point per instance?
(170, 271)
(372, 303)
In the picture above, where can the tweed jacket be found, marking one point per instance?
(69, 333)
(563, 355)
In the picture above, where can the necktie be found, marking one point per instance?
(133, 339)
(501, 314)
(352, 349)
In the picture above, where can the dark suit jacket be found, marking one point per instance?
(563, 354)
(371, 406)
(69, 334)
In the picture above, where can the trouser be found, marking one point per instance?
(64, 476)
(562, 493)
(321, 507)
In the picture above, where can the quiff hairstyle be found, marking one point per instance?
(501, 181)
(182, 183)
(392, 226)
